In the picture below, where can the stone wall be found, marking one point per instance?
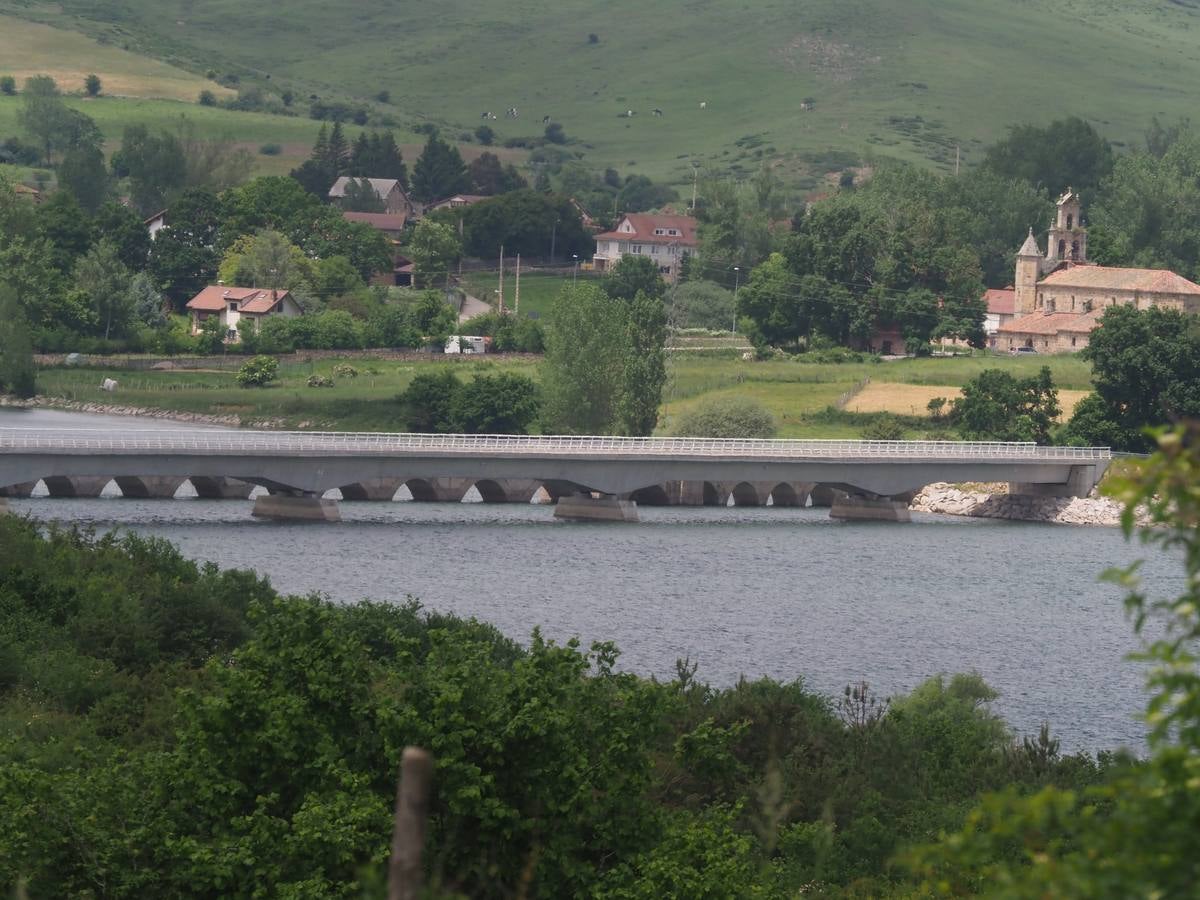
(948, 499)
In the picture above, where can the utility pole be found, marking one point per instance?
(501, 279)
(737, 274)
(553, 236)
(517, 301)
(575, 271)
(956, 158)
(695, 178)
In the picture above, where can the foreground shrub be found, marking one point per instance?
(258, 372)
(726, 417)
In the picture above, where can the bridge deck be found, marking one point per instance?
(372, 444)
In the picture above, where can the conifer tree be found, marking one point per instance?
(439, 172)
(338, 155)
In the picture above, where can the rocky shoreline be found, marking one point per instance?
(950, 500)
(108, 409)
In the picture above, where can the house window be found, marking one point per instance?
(233, 306)
(659, 231)
(665, 270)
(636, 248)
(1072, 342)
(673, 232)
(1070, 221)
(623, 247)
(1062, 249)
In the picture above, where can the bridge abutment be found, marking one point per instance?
(221, 488)
(586, 508)
(23, 490)
(296, 508)
(1078, 484)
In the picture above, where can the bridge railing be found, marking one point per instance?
(372, 443)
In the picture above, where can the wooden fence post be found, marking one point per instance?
(408, 830)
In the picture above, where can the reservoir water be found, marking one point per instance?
(785, 593)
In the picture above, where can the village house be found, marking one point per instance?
(1001, 309)
(458, 201)
(155, 223)
(666, 239)
(232, 304)
(389, 190)
(390, 226)
(1059, 296)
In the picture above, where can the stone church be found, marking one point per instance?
(1059, 296)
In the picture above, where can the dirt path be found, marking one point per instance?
(471, 307)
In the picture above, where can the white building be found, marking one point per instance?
(666, 239)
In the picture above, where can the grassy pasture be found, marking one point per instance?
(913, 80)
(799, 394)
(29, 48)
(538, 289)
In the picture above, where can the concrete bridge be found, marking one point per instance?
(588, 477)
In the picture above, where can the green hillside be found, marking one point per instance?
(912, 80)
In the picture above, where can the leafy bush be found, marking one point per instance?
(270, 149)
(884, 427)
(345, 370)
(207, 98)
(258, 372)
(726, 418)
(319, 381)
(8, 85)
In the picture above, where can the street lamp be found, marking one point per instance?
(737, 274)
(575, 273)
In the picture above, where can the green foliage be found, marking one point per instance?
(258, 372)
(433, 248)
(427, 402)
(360, 196)
(521, 221)
(1067, 153)
(92, 85)
(633, 275)
(103, 279)
(155, 166)
(47, 119)
(509, 333)
(645, 366)
(1146, 369)
(505, 403)
(485, 135)
(1135, 834)
(489, 177)
(18, 374)
(8, 85)
(439, 171)
(727, 417)
(701, 304)
(83, 173)
(883, 428)
(996, 406)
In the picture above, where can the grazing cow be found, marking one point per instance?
(656, 111)
(704, 104)
(545, 120)
(629, 113)
(486, 115)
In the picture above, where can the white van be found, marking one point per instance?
(465, 343)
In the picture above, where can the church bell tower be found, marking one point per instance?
(1068, 237)
(1029, 269)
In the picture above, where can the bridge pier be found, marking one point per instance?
(75, 486)
(1078, 484)
(23, 490)
(147, 487)
(586, 508)
(854, 507)
(296, 508)
(221, 488)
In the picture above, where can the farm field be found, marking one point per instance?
(538, 289)
(912, 399)
(29, 48)
(808, 83)
(797, 393)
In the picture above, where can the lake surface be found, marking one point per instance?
(785, 593)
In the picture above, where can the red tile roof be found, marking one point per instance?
(1160, 281)
(380, 221)
(644, 225)
(1053, 323)
(250, 300)
(1000, 302)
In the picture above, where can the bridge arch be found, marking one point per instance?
(744, 494)
(491, 491)
(712, 496)
(76, 485)
(652, 495)
(422, 491)
(783, 494)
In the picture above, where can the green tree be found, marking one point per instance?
(46, 118)
(729, 417)
(439, 172)
(506, 403)
(779, 308)
(125, 229)
(433, 248)
(154, 164)
(434, 318)
(645, 366)
(18, 375)
(185, 257)
(84, 174)
(701, 304)
(1146, 370)
(633, 275)
(378, 156)
(146, 301)
(584, 370)
(105, 281)
(8, 85)
(489, 177)
(521, 221)
(361, 197)
(91, 85)
(1067, 153)
(998, 407)
(427, 404)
